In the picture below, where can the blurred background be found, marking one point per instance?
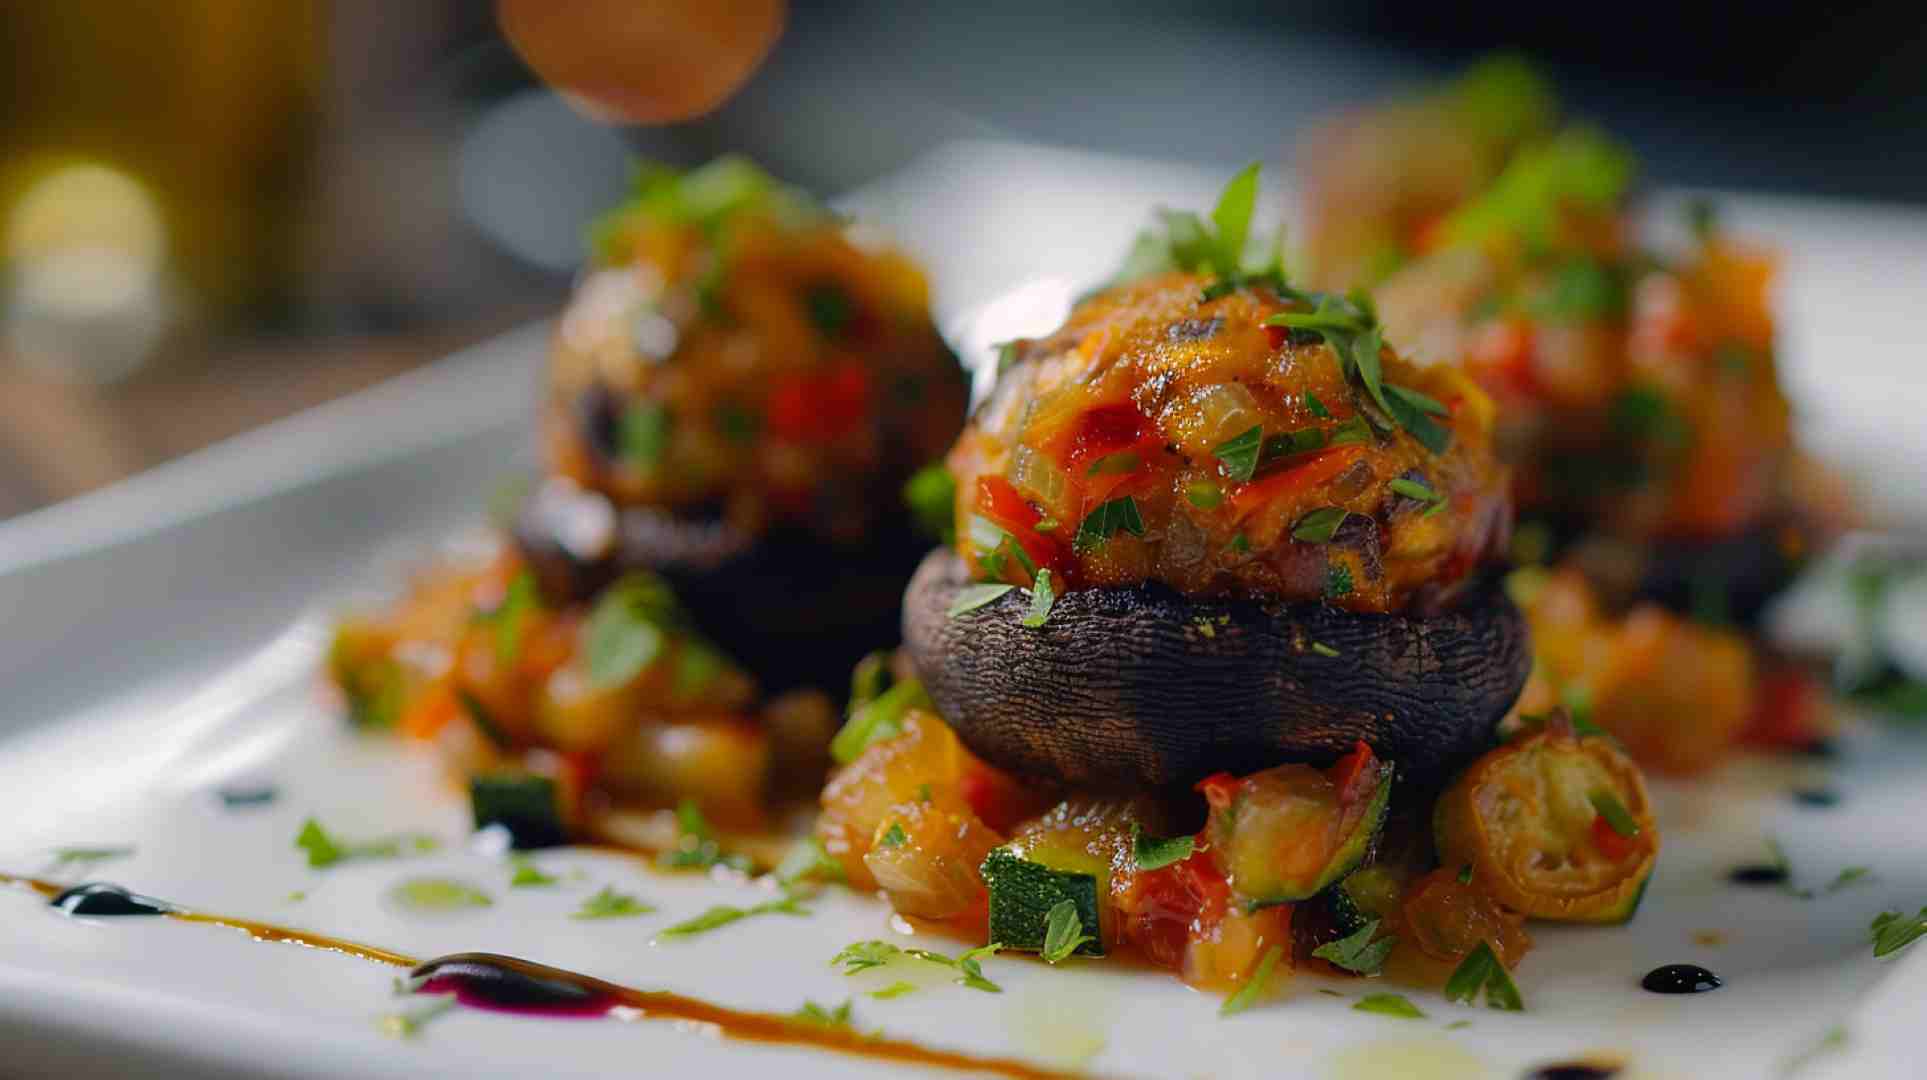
(216, 212)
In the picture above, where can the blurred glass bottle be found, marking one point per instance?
(155, 166)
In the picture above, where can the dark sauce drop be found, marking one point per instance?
(1758, 874)
(1818, 798)
(243, 798)
(1572, 1071)
(1680, 979)
(505, 984)
(101, 898)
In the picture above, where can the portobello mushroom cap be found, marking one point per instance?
(1729, 578)
(787, 604)
(1141, 686)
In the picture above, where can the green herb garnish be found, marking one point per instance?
(1617, 816)
(1204, 494)
(1482, 973)
(607, 903)
(931, 494)
(830, 308)
(1240, 453)
(627, 629)
(1389, 1005)
(807, 861)
(1357, 952)
(1338, 580)
(642, 435)
(1124, 461)
(1465, 874)
(1254, 987)
(1109, 519)
(1413, 489)
(1318, 526)
(438, 894)
(1323, 649)
(822, 1016)
(1041, 599)
(972, 597)
(877, 720)
(325, 850)
(528, 875)
(65, 857)
(864, 955)
(724, 914)
(894, 990)
(1316, 406)
(1892, 933)
(1063, 932)
(894, 836)
(510, 618)
(1152, 853)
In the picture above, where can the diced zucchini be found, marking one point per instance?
(1025, 885)
(523, 803)
(1290, 832)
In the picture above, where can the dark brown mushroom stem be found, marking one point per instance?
(1141, 687)
(792, 607)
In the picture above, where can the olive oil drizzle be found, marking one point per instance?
(745, 1025)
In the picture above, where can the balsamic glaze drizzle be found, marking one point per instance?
(100, 898)
(1680, 979)
(1758, 874)
(1577, 1070)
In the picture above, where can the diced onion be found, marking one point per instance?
(1040, 478)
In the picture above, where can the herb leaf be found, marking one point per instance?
(1240, 453)
(725, 914)
(1063, 931)
(642, 435)
(1338, 580)
(1232, 216)
(1316, 406)
(1041, 599)
(1254, 987)
(325, 850)
(1319, 526)
(625, 632)
(1152, 853)
(972, 597)
(894, 990)
(64, 857)
(822, 1016)
(931, 494)
(807, 861)
(529, 876)
(877, 720)
(864, 955)
(610, 904)
(1357, 952)
(1109, 519)
(1413, 489)
(1617, 816)
(1482, 973)
(697, 847)
(1389, 1005)
(1892, 933)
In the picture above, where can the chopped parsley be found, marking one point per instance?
(1349, 325)
(65, 857)
(894, 836)
(1413, 489)
(894, 990)
(1389, 1005)
(1041, 599)
(1529, 201)
(697, 847)
(1892, 932)
(1357, 952)
(324, 849)
(642, 435)
(1254, 987)
(528, 875)
(438, 894)
(627, 629)
(1109, 519)
(822, 1016)
(1465, 874)
(1181, 240)
(1617, 817)
(1481, 973)
(931, 494)
(724, 914)
(607, 903)
(1239, 544)
(1124, 461)
(1063, 932)
(971, 597)
(1300, 441)
(1316, 406)
(1338, 580)
(876, 720)
(1323, 649)
(1354, 430)
(1240, 453)
(1203, 494)
(999, 548)
(1151, 853)
(1318, 526)
(1584, 290)
(510, 618)
(864, 955)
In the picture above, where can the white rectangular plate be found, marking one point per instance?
(161, 641)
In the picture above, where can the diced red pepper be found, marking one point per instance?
(1791, 709)
(999, 501)
(1607, 839)
(1347, 771)
(1097, 433)
(1164, 908)
(1323, 465)
(996, 797)
(1218, 789)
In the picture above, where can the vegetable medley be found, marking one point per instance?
(736, 350)
(1225, 433)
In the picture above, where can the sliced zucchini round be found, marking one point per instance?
(1554, 825)
(1289, 832)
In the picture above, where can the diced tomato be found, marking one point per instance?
(1164, 908)
(1607, 839)
(1218, 789)
(1004, 505)
(819, 408)
(1790, 709)
(1105, 430)
(1501, 358)
(1348, 772)
(1324, 465)
(996, 796)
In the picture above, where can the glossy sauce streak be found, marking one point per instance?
(1574, 1071)
(506, 984)
(1680, 979)
(98, 898)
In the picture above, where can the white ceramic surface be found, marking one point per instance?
(160, 640)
